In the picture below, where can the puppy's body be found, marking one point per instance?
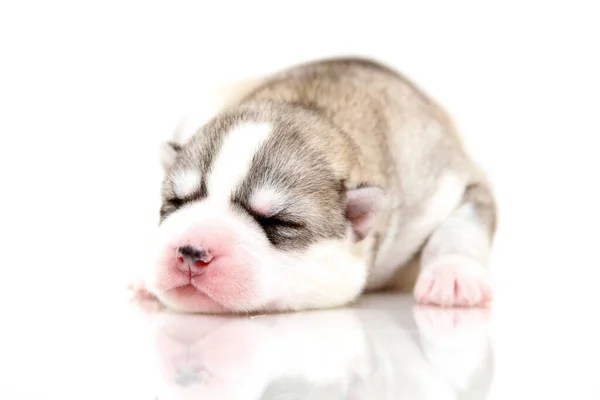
(391, 136)
(347, 170)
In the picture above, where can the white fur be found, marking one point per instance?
(186, 182)
(327, 274)
(234, 159)
(404, 239)
(461, 234)
(268, 201)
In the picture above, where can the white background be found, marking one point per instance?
(89, 89)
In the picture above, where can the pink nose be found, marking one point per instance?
(192, 260)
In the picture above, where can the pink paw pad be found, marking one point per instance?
(453, 282)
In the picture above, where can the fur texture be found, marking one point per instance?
(319, 183)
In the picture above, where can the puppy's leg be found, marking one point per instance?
(454, 260)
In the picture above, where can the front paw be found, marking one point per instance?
(142, 297)
(455, 281)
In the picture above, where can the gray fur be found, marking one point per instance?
(339, 124)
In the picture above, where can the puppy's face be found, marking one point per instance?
(254, 219)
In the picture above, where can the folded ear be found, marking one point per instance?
(363, 207)
(168, 155)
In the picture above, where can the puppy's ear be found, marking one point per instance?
(168, 155)
(363, 207)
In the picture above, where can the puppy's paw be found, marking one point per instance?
(142, 297)
(455, 281)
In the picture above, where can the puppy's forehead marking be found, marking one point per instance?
(186, 182)
(234, 158)
(267, 201)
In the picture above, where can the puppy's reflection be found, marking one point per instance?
(361, 353)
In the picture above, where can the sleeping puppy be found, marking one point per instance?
(316, 184)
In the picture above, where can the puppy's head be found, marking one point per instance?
(255, 217)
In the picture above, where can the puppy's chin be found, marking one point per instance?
(188, 299)
(246, 273)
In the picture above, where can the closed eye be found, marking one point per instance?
(267, 222)
(278, 221)
(175, 202)
(279, 229)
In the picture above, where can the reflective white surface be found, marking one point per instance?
(383, 347)
(362, 353)
(89, 90)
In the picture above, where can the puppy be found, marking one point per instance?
(317, 184)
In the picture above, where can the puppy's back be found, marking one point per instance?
(393, 129)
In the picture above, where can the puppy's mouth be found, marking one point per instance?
(188, 290)
(193, 299)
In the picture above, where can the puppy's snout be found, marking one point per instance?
(192, 260)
